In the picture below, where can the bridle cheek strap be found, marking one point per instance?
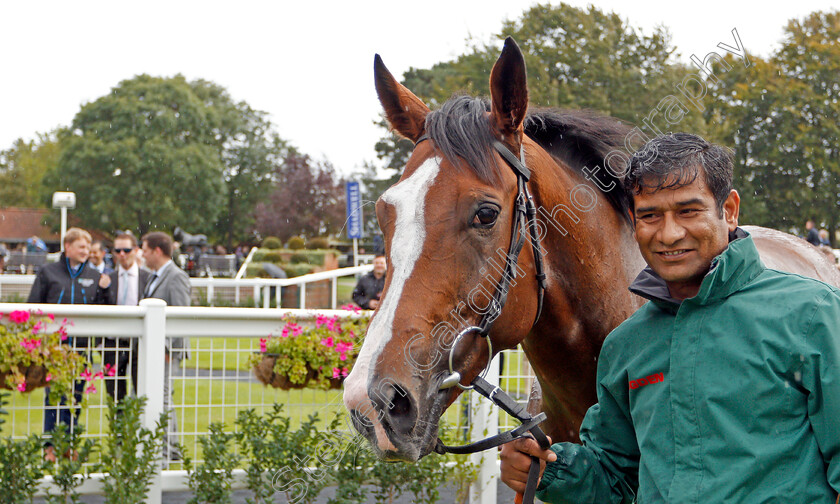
(524, 217)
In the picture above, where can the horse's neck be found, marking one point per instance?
(591, 258)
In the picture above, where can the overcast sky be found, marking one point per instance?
(308, 64)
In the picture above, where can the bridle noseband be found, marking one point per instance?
(524, 215)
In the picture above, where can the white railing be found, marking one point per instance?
(153, 322)
(260, 288)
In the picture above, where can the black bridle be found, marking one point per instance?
(524, 216)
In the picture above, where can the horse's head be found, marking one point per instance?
(448, 226)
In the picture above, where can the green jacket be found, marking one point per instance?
(732, 396)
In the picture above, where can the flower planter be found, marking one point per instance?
(36, 377)
(264, 371)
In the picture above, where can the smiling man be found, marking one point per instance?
(725, 387)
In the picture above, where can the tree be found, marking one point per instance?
(22, 169)
(576, 59)
(250, 150)
(145, 157)
(306, 198)
(780, 116)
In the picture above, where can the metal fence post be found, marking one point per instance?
(485, 423)
(150, 375)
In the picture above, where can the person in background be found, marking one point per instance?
(4, 257)
(128, 285)
(824, 238)
(97, 258)
(370, 286)
(813, 237)
(171, 284)
(71, 280)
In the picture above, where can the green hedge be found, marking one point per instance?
(311, 257)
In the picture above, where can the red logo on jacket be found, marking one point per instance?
(641, 382)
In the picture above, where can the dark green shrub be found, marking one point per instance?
(211, 481)
(131, 452)
(72, 452)
(300, 258)
(295, 243)
(272, 242)
(21, 464)
(275, 256)
(318, 243)
(295, 270)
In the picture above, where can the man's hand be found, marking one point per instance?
(516, 461)
(104, 281)
(373, 304)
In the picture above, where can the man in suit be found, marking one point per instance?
(169, 283)
(98, 250)
(128, 285)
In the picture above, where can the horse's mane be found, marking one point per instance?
(461, 131)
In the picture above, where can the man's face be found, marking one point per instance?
(152, 256)
(125, 252)
(96, 254)
(77, 251)
(679, 232)
(379, 266)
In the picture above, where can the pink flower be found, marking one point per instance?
(91, 389)
(344, 371)
(22, 386)
(262, 345)
(342, 357)
(62, 331)
(110, 370)
(351, 307)
(333, 325)
(297, 330)
(19, 316)
(343, 347)
(30, 345)
(49, 376)
(86, 374)
(51, 317)
(320, 320)
(336, 372)
(37, 328)
(328, 342)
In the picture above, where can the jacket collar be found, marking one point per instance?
(730, 271)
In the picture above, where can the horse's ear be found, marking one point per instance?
(405, 112)
(509, 90)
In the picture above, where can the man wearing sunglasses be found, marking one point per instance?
(128, 283)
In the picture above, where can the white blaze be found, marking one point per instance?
(409, 200)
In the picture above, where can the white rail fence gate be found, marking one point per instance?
(215, 385)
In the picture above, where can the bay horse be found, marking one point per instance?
(447, 226)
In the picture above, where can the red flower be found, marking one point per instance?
(262, 344)
(22, 386)
(328, 342)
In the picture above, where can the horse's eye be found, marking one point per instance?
(485, 217)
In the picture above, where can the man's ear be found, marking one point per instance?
(731, 209)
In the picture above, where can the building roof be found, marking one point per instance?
(18, 224)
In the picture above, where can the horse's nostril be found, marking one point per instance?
(400, 404)
(400, 410)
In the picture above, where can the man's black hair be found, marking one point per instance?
(674, 160)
